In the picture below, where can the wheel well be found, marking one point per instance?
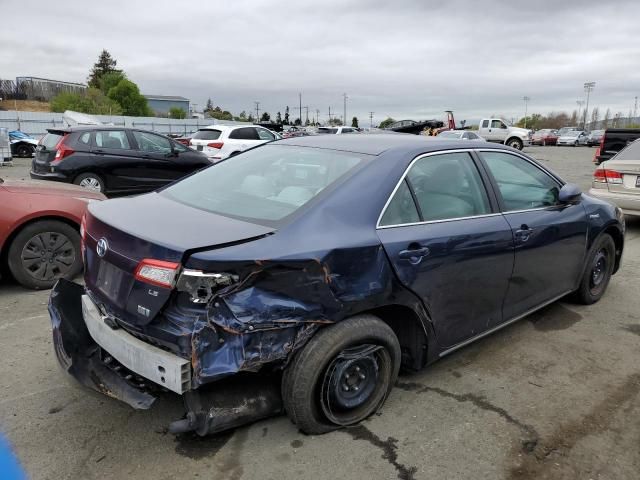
(410, 331)
(514, 138)
(618, 240)
(17, 230)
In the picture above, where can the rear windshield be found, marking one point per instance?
(630, 152)
(327, 130)
(207, 134)
(50, 140)
(266, 184)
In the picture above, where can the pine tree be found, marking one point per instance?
(105, 64)
(278, 118)
(286, 116)
(354, 122)
(209, 105)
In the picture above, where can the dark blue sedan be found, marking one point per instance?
(303, 274)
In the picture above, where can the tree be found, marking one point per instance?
(105, 64)
(177, 112)
(278, 118)
(574, 118)
(297, 122)
(209, 105)
(629, 118)
(250, 118)
(595, 116)
(354, 122)
(265, 117)
(127, 94)
(92, 101)
(286, 115)
(606, 118)
(110, 80)
(386, 122)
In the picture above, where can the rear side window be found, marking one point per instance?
(631, 152)
(114, 139)
(245, 133)
(401, 209)
(85, 138)
(206, 134)
(523, 186)
(485, 124)
(50, 140)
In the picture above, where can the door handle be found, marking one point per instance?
(99, 151)
(523, 233)
(414, 255)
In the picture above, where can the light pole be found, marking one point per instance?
(257, 111)
(371, 119)
(526, 101)
(345, 109)
(579, 103)
(588, 86)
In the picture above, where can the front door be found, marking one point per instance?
(159, 159)
(449, 245)
(115, 159)
(550, 237)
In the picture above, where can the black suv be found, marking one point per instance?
(113, 159)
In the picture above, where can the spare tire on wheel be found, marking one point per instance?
(342, 376)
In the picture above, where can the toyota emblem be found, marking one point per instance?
(102, 247)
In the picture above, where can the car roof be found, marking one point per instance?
(375, 144)
(229, 127)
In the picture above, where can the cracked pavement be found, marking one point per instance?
(553, 396)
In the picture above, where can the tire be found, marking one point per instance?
(544, 143)
(597, 271)
(575, 144)
(90, 181)
(24, 151)
(28, 254)
(515, 143)
(360, 354)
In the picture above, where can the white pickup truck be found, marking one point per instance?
(497, 130)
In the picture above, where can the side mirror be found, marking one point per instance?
(570, 194)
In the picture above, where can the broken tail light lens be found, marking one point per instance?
(202, 286)
(157, 272)
(603, 175)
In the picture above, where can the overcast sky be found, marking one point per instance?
(405, 59)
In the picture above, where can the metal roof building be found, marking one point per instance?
(161, 104)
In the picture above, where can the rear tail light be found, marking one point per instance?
(215, 144)
(62, 151)
(157, 272)
(603, 175)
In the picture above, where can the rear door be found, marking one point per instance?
(116, 160)
(550, 237)
(241, 139)
(449, 244)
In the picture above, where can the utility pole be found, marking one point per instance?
(371, 119)
(588, 86)
(526, 101)
(300, 100)
(317, 116)
(307, 109)
(257, 111)
(635, 109)
(345, 108)
(329, 115)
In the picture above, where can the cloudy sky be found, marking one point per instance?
(405, 59)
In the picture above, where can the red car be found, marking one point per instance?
(40, 230)
(545, 137)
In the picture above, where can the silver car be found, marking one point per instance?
(459, 135)
(573, 138)
(618, 179)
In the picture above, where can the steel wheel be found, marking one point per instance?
(599, 270)
(354, 381)
(48, 255)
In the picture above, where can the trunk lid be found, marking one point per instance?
(149, 227)
(630, 171)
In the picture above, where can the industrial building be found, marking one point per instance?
(161, 104)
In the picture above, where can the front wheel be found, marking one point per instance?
(343, 375)
(515, 143)
(597, 271)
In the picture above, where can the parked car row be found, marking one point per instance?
(218, 142)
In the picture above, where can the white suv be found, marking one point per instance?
(337, 130)
(222, 141)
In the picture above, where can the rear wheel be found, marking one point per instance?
(343, 375)
(43, 252)
(515, 143)
(90, 181)
(597, 271)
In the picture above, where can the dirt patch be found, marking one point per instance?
(547, 453)
(196, 447)
(633, 328)
(25, 105)
(554, 317)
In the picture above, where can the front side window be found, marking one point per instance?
(497, 124)
(446, 187)
(265, 134)
(115, 139)
(522, 185)
(267, 184)
(151, 143)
